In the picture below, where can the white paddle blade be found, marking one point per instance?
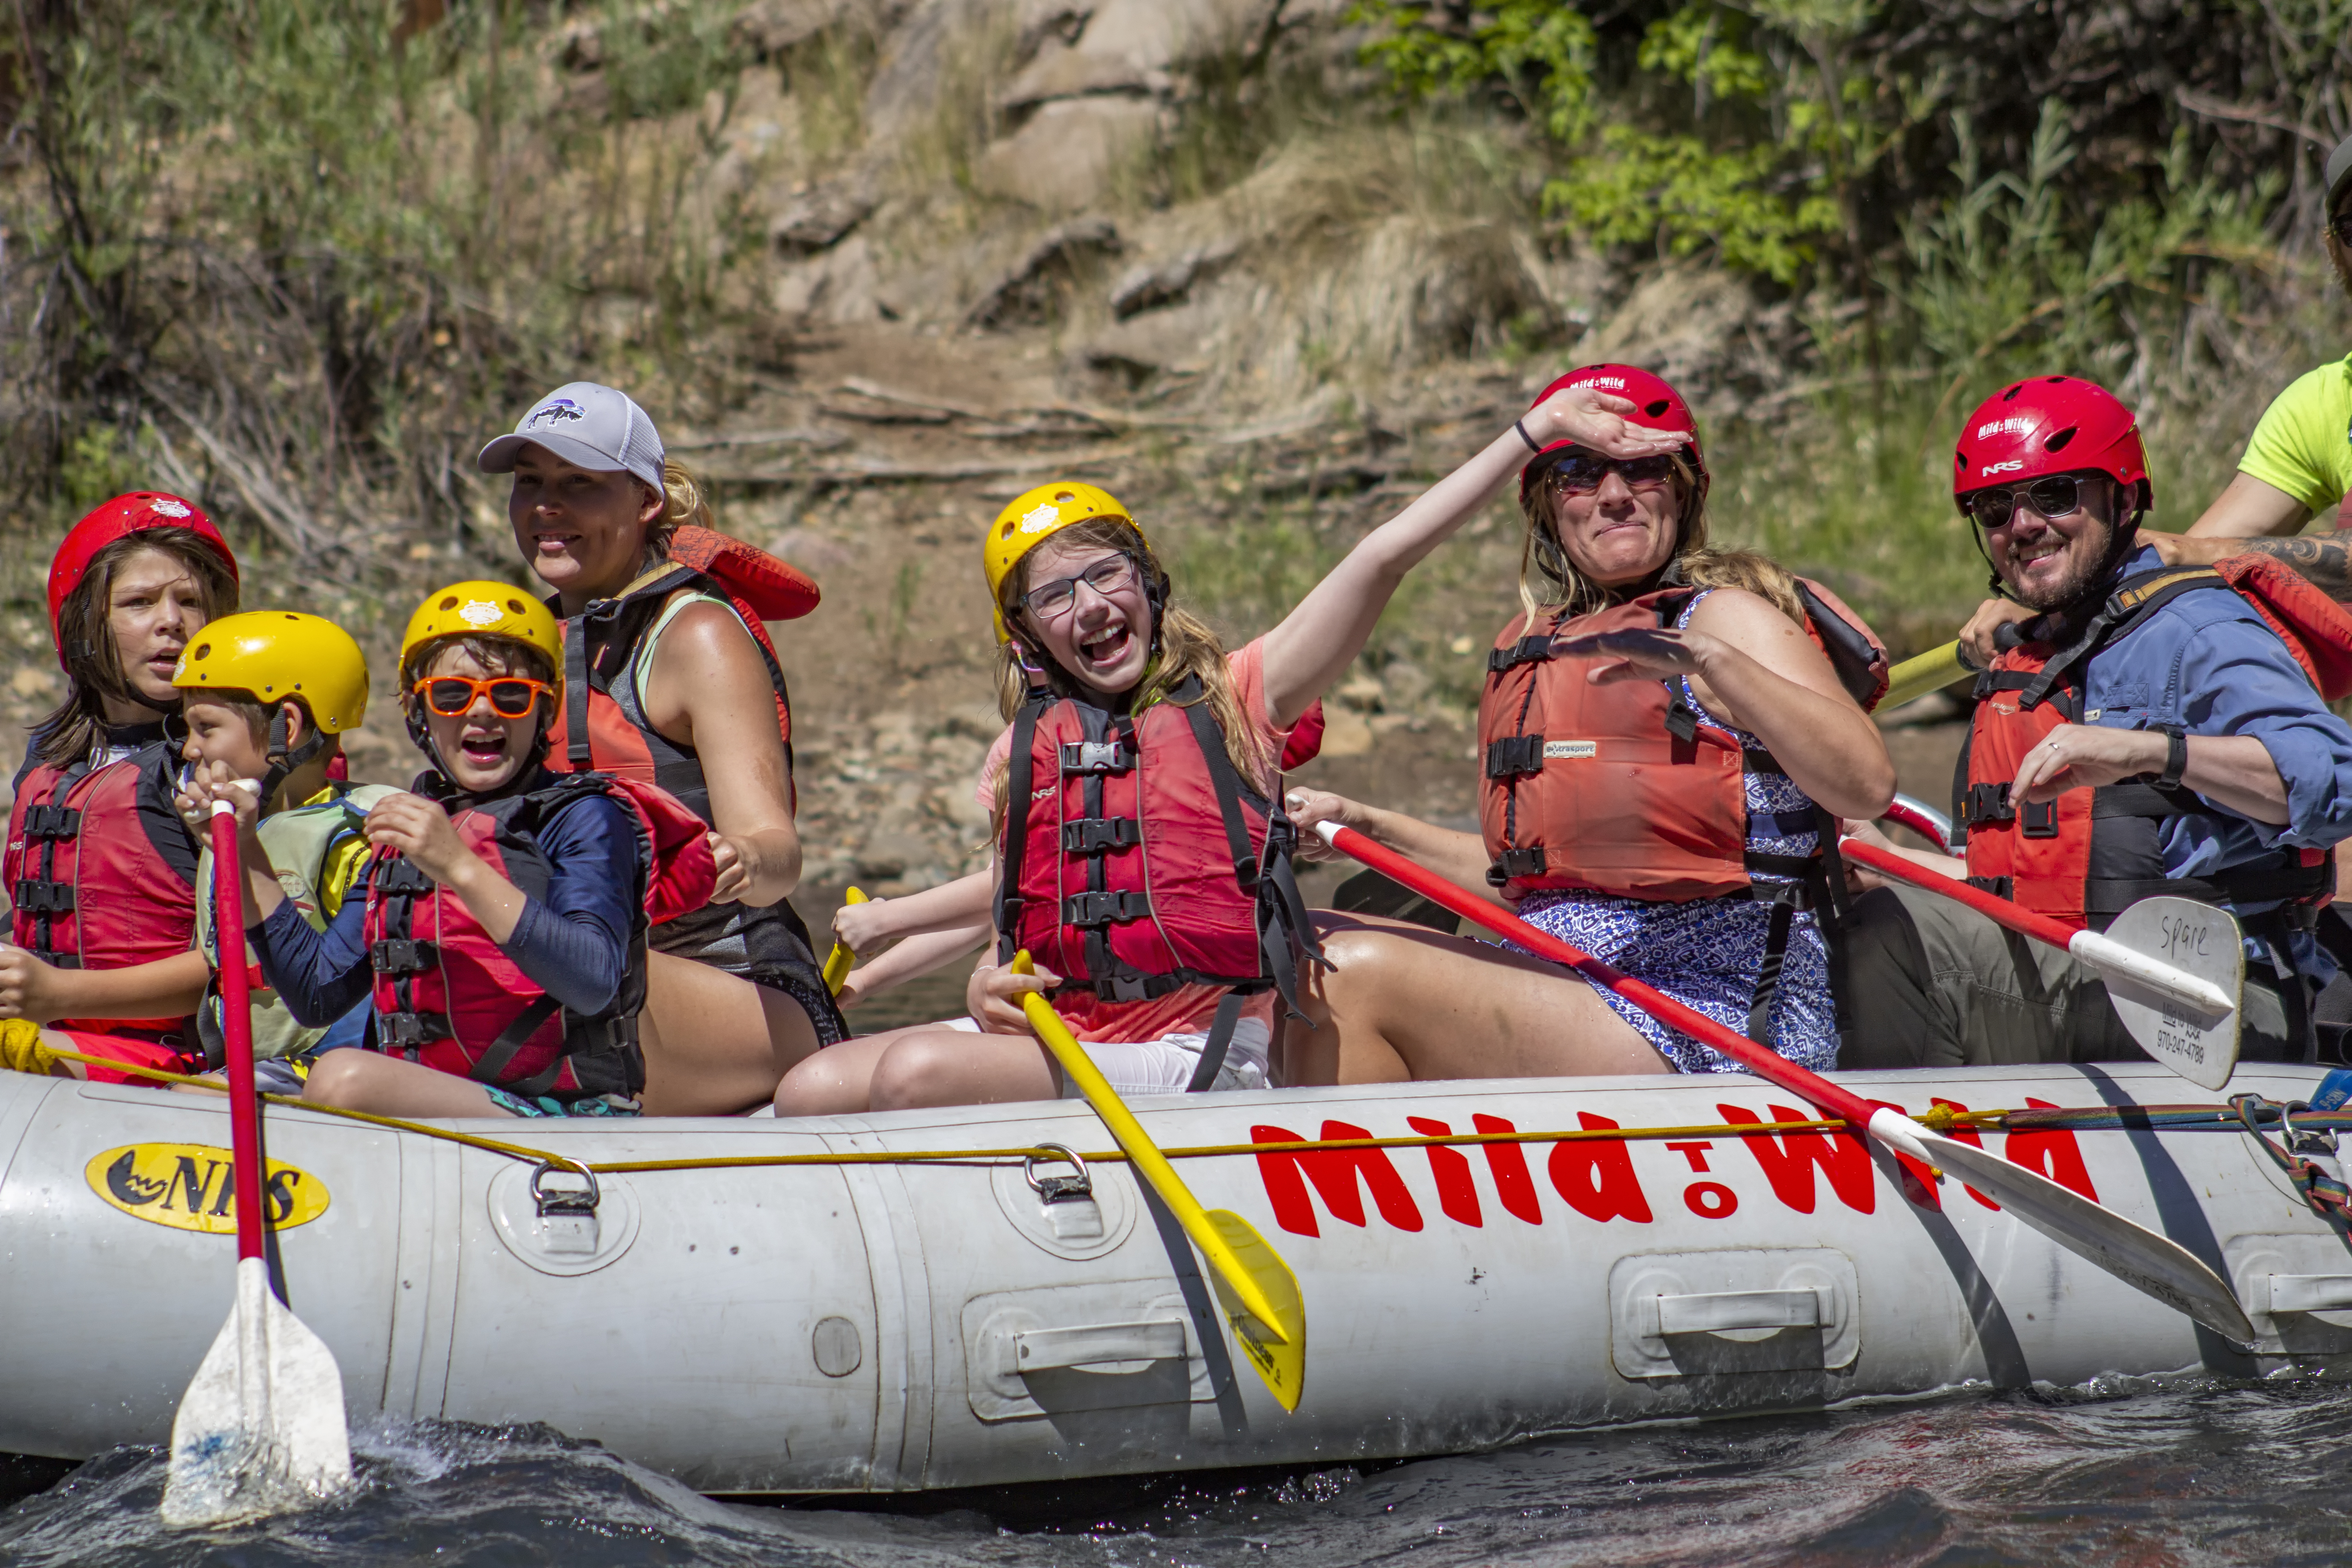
(2155, 1265)
(2176, 971)
(260, 1430)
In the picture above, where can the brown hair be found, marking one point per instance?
(1549, 580)
(1186, 648)
(74, 730)
(258, 714)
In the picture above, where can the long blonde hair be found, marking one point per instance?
(1550, 582)
(1187, 648)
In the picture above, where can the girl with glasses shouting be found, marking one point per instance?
(1667, 735)
(502, 937)
(1141, 851)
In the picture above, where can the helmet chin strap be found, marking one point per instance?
(421, 735)
(282, 760)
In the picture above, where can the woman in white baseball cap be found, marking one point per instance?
(664, 651)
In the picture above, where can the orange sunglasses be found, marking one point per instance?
(454, 696)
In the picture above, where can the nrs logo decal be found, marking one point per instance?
(193, 1187)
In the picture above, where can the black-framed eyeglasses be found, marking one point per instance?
(2053, 495)
(1051, 601)
(1580, 473)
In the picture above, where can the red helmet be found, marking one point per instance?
(1656, 405)
(119, 519)
(2050, 424)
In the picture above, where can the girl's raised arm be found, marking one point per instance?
(1328, 629)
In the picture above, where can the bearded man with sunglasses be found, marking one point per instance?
(2154, 734)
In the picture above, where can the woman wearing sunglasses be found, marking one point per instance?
(672, 681)
(1666, 735)
(502, 937)
(1141, 850)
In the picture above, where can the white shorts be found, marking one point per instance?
(1165, 1065)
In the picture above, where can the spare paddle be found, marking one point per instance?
(260, 1430)
(2139, 1258)
(1257, 1288)
(2174, 968)
(1915, 677)
(837, 961)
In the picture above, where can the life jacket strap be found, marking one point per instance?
(403, 956)
(1100, 834)
(51, 822)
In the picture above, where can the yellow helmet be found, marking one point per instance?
(1033, 517)
(278, 654)
(483, 609)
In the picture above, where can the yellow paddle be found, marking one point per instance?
(1915, 677)
(837, 961)
(1259, 1292)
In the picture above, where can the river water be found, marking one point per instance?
(2134, 1471)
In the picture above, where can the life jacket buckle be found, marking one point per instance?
(1096, 757)
(406, 1031)
(403, 956)
(1105, 909)
(1099, 834)
(34, 898)
(1513, 864)
(47, 822)
(1527, 650)
(1514, 756)
(1987, 803)
(2040, 819)
(403, 879)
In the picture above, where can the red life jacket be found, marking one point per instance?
(2090, 854)
(1620, 789)
(603, 724)
(1137, 860)
(447, 995)
(92, 885)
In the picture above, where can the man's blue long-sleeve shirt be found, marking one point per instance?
(573, 944)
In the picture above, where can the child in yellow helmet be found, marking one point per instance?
(501, 944)
(1140, 848)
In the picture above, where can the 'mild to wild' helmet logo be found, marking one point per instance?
(193, 1187)
(167, 507)
(480, 613)
(1038, 518)
(555, 408)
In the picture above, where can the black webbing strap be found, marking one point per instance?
(1220, 1039)
(1019, 775)
(575, 696)
(1228, 783)
(1768, 973)
(512, 1038)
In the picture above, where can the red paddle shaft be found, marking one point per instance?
(236, 1024)
(1761, 1060)
(1886, 862)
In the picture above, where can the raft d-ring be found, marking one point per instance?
(580, 1201)
(1058, 1189)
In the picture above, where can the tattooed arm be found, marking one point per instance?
(2245, 519)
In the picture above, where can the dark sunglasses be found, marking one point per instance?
(2054, 496)
(1580, 473)
(454, 696)
(1050, 601)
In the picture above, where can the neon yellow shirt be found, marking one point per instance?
(2304, 444)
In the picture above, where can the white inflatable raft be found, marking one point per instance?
(880, 1326)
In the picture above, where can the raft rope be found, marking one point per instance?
(2303, 1137)
(2230, 1118)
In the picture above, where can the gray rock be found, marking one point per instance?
(1148, 287)
(769, 27)
(1028, 292)
(1065, 157)
(817, 219)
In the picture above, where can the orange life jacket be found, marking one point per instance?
(2089, 854)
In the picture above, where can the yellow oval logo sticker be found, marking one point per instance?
(191, 1186)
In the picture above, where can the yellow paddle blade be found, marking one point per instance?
(1915, 677)
(1282, 1362)
(837, 961)
(1258, 1289)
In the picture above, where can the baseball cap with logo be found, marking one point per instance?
(588, 425)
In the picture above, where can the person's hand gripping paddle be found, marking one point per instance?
(837, 961)
(2138, 1257)
(1255, 1286)
(261, 1429)
(2174, 969)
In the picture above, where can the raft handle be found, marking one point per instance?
(564, 1201)
(1058, 1189)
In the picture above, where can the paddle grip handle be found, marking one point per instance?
(1761, 1060)
(236, 1027)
